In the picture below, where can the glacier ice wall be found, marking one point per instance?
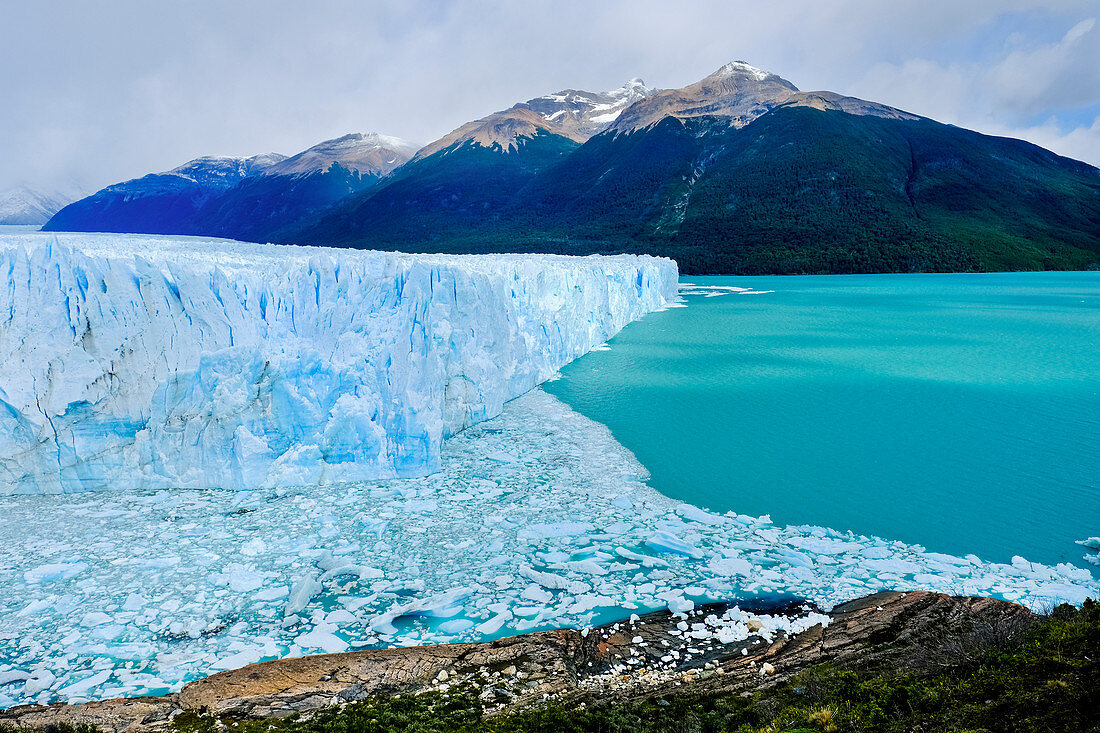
(142, 362)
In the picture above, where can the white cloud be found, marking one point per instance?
(1004, 96)
(107, 91)
(1081, 143)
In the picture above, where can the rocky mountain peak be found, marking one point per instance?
(737, 90)
(572, 113)
(369, 153)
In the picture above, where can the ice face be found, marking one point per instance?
(537, 518)
(134, 362)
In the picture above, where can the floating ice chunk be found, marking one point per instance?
(340, 616)
(552, 581)
(41, 679)
(663, 541)
(534, 592)
(695, 514)
(254, 547)
(794, 557)
(676, 601)
(241, 578)
(947, 559)
(588, 601)
(557, 529)
(241, 659)
(771, 536)
(134, 602)
(892, 565)
(444, 605)
(375, 526)
(456, 626)
(647, 561)
(302, 591)
(96, 618)
(80, 689)
(362, 572)
(825, 546)
(273, 593)
(322, 637)
(1061, 593)
(1092, 543)
(729, 566)
(35, 607)
(13, 675)
(493, 625)
(54, 571)
(589, 567)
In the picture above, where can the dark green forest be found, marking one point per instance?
(798, 190)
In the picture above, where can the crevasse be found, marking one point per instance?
(133, 362)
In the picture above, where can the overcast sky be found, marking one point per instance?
(104, 91)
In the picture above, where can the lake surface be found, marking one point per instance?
(960, 412)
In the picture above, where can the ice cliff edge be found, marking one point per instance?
(150, 362)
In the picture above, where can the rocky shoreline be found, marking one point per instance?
(649, 656)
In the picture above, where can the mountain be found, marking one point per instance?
(217, 171)
(575, 115)
(739, 173)
(159, 203)
(28, 206)
(737, 91)
(369, 154)
(238, 197)
(300, 185)
(472, 174)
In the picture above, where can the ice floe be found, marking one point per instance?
(716, 291)
(537, 518)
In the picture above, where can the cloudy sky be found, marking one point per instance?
(97, 92)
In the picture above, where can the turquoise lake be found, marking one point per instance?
(960, 412)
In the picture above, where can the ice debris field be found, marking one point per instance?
(536, 518)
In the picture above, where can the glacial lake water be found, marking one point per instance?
(960, 412)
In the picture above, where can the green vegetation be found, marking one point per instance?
(798, 190)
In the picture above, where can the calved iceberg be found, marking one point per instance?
(137, 362)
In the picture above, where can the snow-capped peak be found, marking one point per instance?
(368, 153)
(741, 68)
(212, 169)
(736, 91)
(572, 113)
(586, 113)
(633, 90)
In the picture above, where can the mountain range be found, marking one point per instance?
(241, 198)
(739, 172)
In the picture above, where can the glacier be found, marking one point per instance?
(135, 362)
